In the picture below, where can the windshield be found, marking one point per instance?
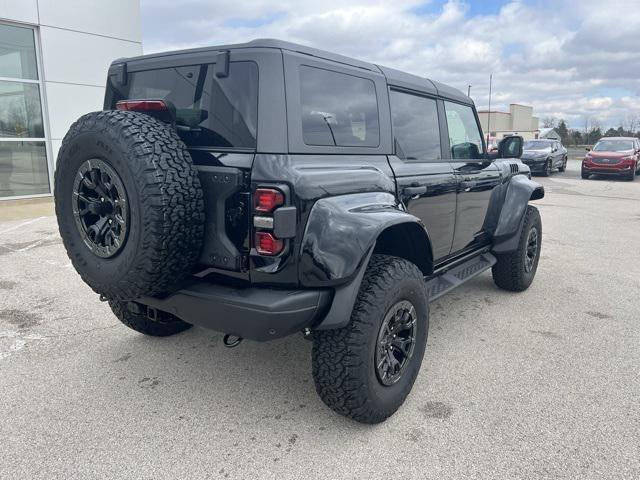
(536, 145)
(613, 146)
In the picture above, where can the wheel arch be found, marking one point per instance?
(343, 231)
(520, 190)
(408, 240)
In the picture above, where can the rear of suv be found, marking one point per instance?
(269, 188)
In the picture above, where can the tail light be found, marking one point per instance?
(265, 203)
(266, 200)
(142, 106)
(267, 244)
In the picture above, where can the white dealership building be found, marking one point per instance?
(54, 56)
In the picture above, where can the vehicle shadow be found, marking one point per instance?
(262, 381)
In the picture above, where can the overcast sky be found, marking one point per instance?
(576, 60)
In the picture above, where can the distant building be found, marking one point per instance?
(54, 56)
(518, 121)
(549, 134)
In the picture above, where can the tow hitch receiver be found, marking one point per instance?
(231, 341)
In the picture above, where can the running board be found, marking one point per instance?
(456, 276)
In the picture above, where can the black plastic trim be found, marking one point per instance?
(284, 222)
(259, 314)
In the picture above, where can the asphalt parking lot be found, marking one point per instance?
(542, 384)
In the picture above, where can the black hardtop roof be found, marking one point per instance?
(394, 77)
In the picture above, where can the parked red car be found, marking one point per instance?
(613, 156)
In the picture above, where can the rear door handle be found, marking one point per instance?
(413, 191)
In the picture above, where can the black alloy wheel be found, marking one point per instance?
(100, 208)
(531, 251)
(396, 342)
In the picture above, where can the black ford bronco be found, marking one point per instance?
(268, 188)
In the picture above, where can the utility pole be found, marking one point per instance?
(489, 116)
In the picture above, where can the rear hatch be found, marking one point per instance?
(213, 107)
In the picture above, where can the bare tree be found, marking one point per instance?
(632, 122)
(549, 122)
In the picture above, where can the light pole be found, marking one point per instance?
(489, 117)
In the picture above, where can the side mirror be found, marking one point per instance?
(588, 149)
(511, 147)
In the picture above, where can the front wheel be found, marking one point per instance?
(563, 167)
(632, 175)
(365, 370)
(515, 271)
(547, 169)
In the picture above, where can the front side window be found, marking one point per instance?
(210, 111)
(338, 109)
(465, 139)
(415, 126)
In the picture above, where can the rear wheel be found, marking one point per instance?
(366, 370)
(515, 271)
(133, 316)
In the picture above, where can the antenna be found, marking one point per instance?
(489, 116)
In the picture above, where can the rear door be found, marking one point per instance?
(426, 182)
(476, 176)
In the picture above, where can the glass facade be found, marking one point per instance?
(23, 154)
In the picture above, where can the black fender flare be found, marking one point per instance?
(341, 230)
(519, 191)
(339, 239)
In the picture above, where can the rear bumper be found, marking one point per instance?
(255, 313)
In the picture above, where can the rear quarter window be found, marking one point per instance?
(338, 109)
(210, 111)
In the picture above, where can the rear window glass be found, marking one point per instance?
(338, 109)
(210, 111)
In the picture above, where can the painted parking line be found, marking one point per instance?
(20, 225)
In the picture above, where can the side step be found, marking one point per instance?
(456, 276)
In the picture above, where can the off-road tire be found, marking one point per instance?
(509, 272)
(343, 364)
(164, 325)
(166, 207)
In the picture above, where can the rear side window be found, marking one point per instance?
(338, 109)
(415, 126)
(210, 111)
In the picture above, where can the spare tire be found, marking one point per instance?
(129, 204)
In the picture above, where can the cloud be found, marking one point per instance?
(574, 60)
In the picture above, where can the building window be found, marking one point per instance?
(23, 159)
